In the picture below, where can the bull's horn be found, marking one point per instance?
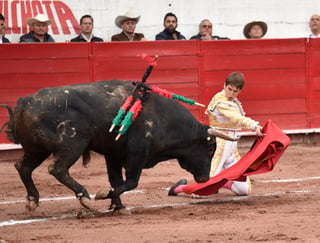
(217, 133)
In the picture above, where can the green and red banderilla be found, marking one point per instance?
(134, 103)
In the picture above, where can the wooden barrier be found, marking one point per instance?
(282, 75)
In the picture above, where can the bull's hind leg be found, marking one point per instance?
(25, 166)
(60, 170)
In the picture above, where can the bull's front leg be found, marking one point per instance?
(119, 186)
(116, 203)
(114, 168)
(131, 182)
(114, 195)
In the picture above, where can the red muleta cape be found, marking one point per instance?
(262, 157)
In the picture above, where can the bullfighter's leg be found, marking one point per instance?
(225, 156)
(60, 170)
(25, 166)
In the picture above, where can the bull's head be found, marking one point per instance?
(198, 158)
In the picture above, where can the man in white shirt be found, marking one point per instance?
(86, 26)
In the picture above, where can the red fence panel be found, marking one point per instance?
(25, 68)
(177, 68)
(275, 77)
(313, 87)
(282, 75)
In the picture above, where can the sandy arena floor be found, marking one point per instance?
(283, 207)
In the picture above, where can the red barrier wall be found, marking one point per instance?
(282, 75)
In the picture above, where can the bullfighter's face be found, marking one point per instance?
(231, 91)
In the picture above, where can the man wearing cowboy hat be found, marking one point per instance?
(255, 30)
(39, 30)
(3, 30)
(86, 26)
(127, 23)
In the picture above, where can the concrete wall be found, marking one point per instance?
(285, 18)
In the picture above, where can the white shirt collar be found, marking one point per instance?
(314, 36)
(84, 37)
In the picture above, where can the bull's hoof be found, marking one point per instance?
(85, 202)
(104, 194)
(31, 205)
(121, 212)
(115, 207)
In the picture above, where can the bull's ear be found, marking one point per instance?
(217, 133)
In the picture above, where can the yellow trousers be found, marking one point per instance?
(225, 156)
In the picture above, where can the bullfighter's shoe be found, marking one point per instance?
(180, 182)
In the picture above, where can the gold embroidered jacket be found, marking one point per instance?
(224, 114)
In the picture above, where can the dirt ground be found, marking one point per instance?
(283, 206)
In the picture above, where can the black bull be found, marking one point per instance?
(70, 121)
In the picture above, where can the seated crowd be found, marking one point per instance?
(127, 23)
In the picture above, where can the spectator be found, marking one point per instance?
(86, 26)
(127, 23)
(205, 32)
(3, 39)
(314, 25)
(255, 30)
(170, 23)
(226, 114)
(39, 30)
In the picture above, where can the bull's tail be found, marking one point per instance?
(9, 124)
(4, 125)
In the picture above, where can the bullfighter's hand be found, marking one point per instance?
(258, 131)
